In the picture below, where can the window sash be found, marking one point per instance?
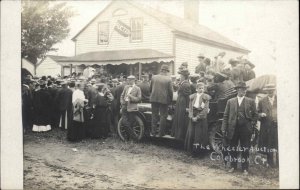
(103, 32)
(136, 29)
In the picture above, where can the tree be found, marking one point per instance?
(43, 25)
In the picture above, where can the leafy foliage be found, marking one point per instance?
(43, 25)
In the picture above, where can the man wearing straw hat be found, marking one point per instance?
(268, 136)
(239, 118)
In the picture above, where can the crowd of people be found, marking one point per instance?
(92, 107)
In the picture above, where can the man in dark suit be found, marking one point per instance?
(64, 100)
(268, 135)
(239, 118)
(161, 96)
(145, 88)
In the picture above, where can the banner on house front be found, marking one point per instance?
(122, 28)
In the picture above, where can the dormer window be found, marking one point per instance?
(136, 29)
(103, 33)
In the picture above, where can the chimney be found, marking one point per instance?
(191, 10)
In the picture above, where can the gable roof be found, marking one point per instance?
(56, 57)
(180, 26)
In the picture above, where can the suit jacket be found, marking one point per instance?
(230, 115)
(145, 89)
(161, 89)
(136, 96)
(264, 106)
(203, 98)
(64, 99)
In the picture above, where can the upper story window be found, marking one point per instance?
(136, 29)
(103, 33)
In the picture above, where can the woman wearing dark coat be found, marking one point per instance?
(99, 124)
(41, 108)
(180, 120)
(197, 134)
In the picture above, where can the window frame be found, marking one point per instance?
(98, 39)
(142, 29)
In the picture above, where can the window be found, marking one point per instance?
(103, 33)
(136, 29)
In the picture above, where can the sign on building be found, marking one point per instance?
(122, 28)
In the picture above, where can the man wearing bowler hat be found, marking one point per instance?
(239, 118)
(161, 96)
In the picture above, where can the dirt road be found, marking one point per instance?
(51, 162)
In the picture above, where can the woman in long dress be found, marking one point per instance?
(41, 106)
(99, 125)
(180, 120)
(196, 140)
(76, 131)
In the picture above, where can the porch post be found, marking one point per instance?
(140, 70)
(62, 74)
(70, 69)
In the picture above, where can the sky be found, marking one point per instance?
(260, 26)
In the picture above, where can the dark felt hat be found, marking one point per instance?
(241, 85)
(247, 62)
(201, 55)
(233, 62)
(184, 72)
(165, 68)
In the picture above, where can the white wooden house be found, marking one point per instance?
(28, 66)
(50, 66)
(129, 37)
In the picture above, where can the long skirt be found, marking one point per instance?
(76, 131)
(98, 126)
(196, 140)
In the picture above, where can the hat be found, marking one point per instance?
(114, 81)
(247, 62)
(131, 77)
(165, 68)
(209, 76)
(81, 78)
(269, 87)
(200, 84)
(42, 82)
(222, 53)
(201, 55)
(184, 72)
(233, 62)
(222, 76)
(207, 61)
(63, 82)
(184, 64)
(241, 85)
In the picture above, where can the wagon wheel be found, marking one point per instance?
(138, 128)
(216, 139)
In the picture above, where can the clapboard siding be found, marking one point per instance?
(48, 67)
(28, 65)
(155, 34)
(187, 51)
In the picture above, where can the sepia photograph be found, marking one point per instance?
(161, 94)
